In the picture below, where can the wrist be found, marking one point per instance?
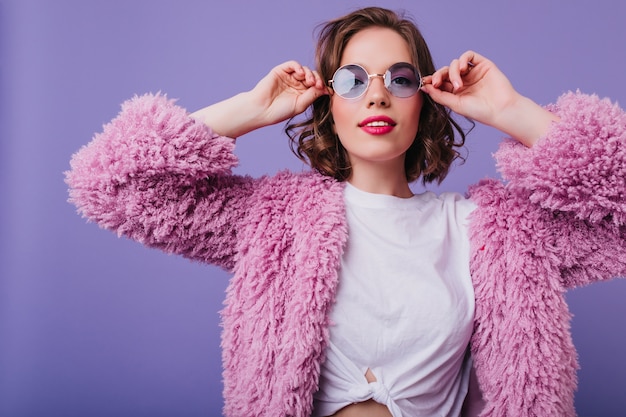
(525, 121)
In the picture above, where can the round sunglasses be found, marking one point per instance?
(352, 80)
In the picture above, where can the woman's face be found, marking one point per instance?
(377, 128)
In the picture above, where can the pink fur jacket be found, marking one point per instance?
(558, 220)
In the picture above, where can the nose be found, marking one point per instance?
(377, 93)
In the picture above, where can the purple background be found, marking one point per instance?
(95, 325)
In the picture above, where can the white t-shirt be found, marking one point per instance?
(404, 306)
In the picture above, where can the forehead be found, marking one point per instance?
(376, 49)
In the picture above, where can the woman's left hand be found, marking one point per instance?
(471, 86)
(474, 87)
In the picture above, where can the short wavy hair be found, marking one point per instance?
(313, 140)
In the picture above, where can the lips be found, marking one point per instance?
(377, 121)
(377, 125)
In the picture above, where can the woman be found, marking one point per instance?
(350, 295)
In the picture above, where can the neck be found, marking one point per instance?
(380, 178)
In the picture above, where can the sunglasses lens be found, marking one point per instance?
(402, 80)
(350, 81)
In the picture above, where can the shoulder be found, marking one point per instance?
(489, 193)
(301, 185)
(451, 201)
(456, 200)
(296, 208)
(299, 196)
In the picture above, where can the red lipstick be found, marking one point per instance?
(377, 125)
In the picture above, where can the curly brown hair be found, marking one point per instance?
(313, 140)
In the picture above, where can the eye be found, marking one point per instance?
(403, 75)
(358, 77)
(350, 76)
(403, 81)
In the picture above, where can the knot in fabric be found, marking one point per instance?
(372, 390)
(380, 393)
(375, 391)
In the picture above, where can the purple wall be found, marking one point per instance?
(95, 325)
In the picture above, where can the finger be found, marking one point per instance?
(309, 78)
(440, 80)
(299, 74)
(467, 61)
(289, 67)
(443, 97)
(446, 86)
(319, 82)
(313, 81)
(435, 93)
(439, 76)
(293, 69)
(308, 96)
(454, 74)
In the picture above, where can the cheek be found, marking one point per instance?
(415, 111)
(342, 114)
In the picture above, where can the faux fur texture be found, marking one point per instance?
(157, 176)
(557, 223)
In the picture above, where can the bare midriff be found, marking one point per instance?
(369, 408)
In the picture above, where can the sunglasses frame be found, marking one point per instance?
(386, 79)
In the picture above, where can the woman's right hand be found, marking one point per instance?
(286, 91)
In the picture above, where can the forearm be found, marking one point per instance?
(232, 117)
(525, 121)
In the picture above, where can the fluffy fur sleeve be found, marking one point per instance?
(159, 177)
(580, 166)
(577, 173)
(557, 222)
